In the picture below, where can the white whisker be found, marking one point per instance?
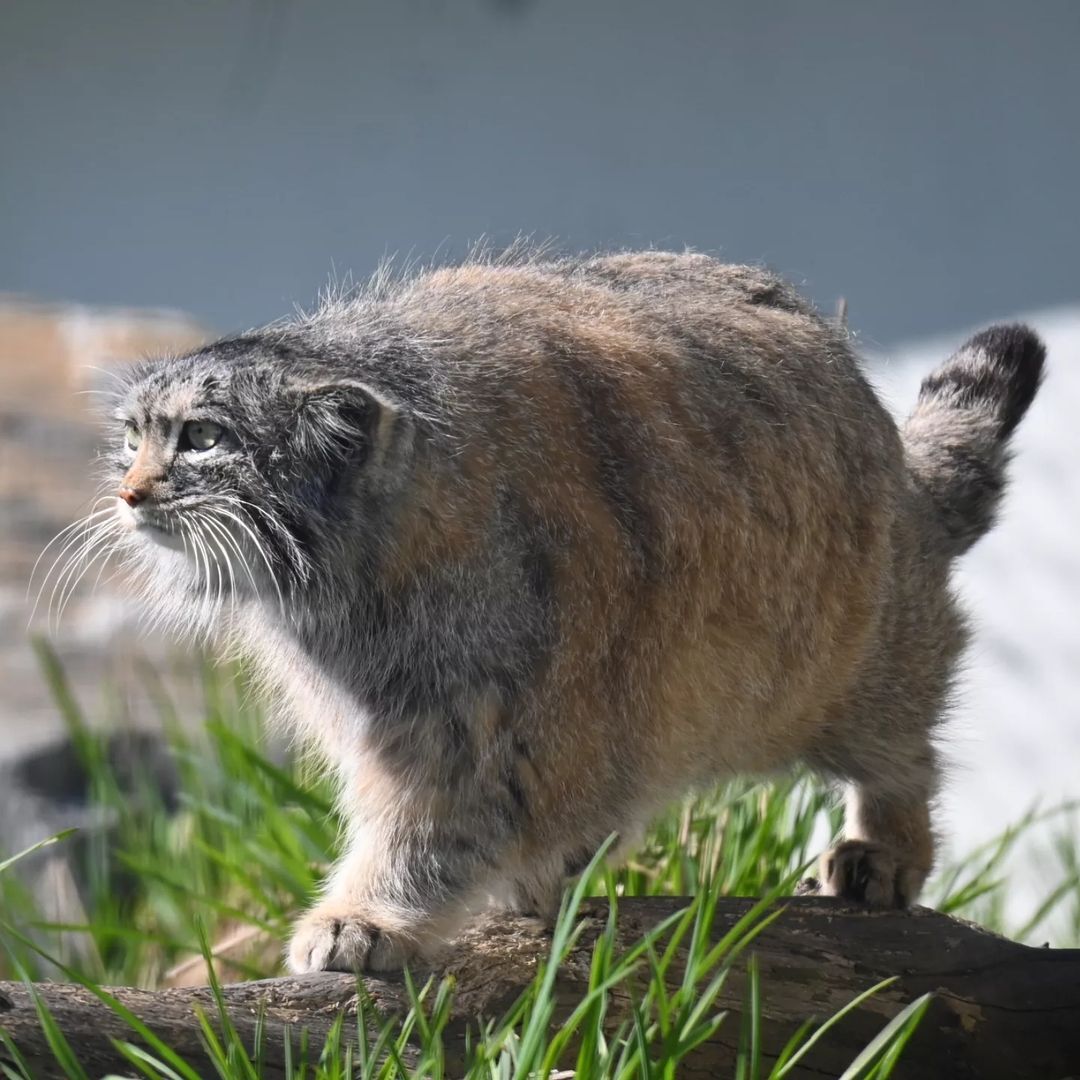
(200, 558)
(84, 531)
(240, 555)
(97, 580)
(222, 533)
(209, 608)
(100, 547)
(73, 572)
(213, 543)
(279, 530)
(259, 550)
(105, 371)
(83, 521)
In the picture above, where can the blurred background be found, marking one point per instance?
(170, 172)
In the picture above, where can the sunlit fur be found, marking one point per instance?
(529, 547)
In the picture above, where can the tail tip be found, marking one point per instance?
(1000, 368)
(1014, 345)
(958, 434)
(1018, 356)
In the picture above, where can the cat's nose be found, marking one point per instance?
(131, 495)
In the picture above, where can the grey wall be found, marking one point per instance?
(921, 158)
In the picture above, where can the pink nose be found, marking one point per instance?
(132, 496)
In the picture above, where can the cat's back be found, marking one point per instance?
(667, 409)
(650, 353)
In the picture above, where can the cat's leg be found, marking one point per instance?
(888, 849)
(404, 887)
(538, 873)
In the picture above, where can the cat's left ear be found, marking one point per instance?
(347, 420)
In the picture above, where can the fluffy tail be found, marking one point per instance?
(957, 438)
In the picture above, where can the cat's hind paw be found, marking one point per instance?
(865, 872)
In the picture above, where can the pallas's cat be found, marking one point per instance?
(530, 547)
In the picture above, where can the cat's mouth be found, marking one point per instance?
(155, 525)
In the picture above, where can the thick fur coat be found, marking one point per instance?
(530, 547)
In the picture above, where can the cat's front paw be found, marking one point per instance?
(332, 937)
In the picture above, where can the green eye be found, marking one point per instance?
(201, 434)
(132, 436)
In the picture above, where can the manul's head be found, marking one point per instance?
(243, 470)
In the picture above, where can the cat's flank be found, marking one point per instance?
(531, 547)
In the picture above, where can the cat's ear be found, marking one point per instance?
(346, 419)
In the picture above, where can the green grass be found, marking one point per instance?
(215, 884)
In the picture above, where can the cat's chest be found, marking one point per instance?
(307, 695)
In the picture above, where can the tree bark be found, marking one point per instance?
(1000, 1010)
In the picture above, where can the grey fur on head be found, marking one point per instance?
(531, 546)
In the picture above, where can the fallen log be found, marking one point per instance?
(1000, 1010)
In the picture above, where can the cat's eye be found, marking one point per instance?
(200, 435)
(132, 436)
